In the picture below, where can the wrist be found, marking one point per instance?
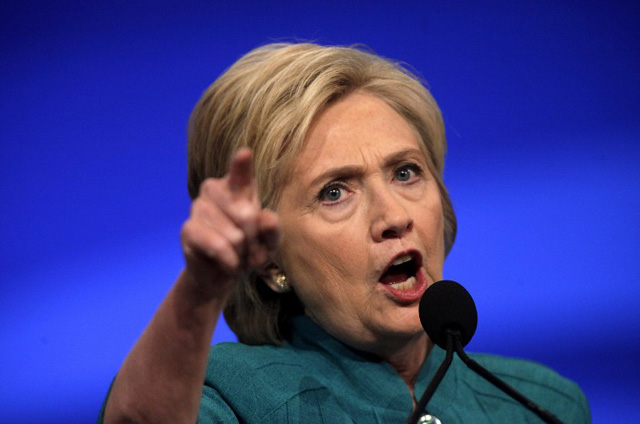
(198, 292)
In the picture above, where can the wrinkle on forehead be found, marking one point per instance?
(342, 123)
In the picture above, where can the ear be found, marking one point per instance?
(274, 277)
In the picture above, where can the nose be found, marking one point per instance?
(389, 216)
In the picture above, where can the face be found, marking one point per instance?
(362, 224)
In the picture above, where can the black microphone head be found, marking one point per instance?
(448, 305)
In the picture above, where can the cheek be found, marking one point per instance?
(438, 219)
(314, 244)
(321, 263)
(432, 232)
(437, 246)
(308, 256)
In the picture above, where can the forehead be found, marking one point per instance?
(358, 126)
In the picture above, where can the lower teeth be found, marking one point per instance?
(405, 285)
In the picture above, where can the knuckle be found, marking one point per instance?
(221, 252)
(209, 187)
(246, 212)
(187, 230)
(200, 206)
(216, 245)
(236, 237)
(189, 237)
(196, 205)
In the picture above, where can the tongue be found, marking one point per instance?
(394, 275)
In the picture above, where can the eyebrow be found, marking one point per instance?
(350, 171)
(341, 172)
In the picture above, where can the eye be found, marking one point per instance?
(331, 193)
(407, 173)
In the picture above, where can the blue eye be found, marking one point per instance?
(408, 172)
(403, 174)
(331, 193)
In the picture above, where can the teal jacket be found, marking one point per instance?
(317, 379)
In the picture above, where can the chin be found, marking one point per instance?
(405, 324)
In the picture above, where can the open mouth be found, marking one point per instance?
(401, 272)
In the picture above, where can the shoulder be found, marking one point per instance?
(256, 383)
(540, 383)
(238, 365)
(255, 357)
(523, 372)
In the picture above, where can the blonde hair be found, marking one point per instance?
(266, 101)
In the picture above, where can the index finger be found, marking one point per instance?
(241, 171)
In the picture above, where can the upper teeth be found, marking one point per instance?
(401, 259)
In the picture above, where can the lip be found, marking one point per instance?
(413, 294)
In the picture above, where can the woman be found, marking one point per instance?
(318, 261)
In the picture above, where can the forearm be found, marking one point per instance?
(227, 234)
(161, 379)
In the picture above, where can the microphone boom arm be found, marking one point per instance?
(542, 413)
(435, 382)
(449, 317)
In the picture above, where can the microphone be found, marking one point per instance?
(446, 305)
(449, 316)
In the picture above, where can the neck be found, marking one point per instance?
(407, 360)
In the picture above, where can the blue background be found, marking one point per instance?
(541, 103)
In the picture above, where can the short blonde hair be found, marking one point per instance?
(266, 101)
